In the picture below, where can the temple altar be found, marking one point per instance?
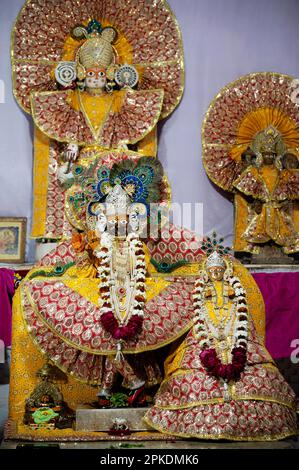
(129, 324)
(279, 289)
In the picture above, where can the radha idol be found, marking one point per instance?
(221, 383)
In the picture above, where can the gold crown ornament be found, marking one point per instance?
(268, 141)
(97, 49)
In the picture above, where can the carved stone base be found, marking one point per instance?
(271, 254)
(102, 420)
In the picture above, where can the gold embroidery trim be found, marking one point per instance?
(40, 183)
(231, 437)
(108, 352)
(205, 145)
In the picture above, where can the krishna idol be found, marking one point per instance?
(95, 76)
(96, 307)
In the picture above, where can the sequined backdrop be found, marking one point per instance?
(222, 40)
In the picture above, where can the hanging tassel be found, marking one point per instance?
(119, 355)
(227, 396)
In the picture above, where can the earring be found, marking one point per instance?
(203, 275)
(228, 274)
(259, 160)
(134, 222)
(278, 162)
(101, 224)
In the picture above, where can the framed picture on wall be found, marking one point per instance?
(12, 239)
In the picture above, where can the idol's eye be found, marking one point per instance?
(123, 222)
(90, 73)
(112, 222)
(102, 74)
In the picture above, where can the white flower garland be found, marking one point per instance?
(241, 326)
(104, 254)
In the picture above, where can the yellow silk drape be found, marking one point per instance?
(259, 120)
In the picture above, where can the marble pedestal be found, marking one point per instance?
(102, 420)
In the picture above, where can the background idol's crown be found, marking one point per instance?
(268, 141)
(97, 50)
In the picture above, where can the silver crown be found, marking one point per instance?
(215, 259)
(118, 200)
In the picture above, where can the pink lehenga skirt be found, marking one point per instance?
(190, 403)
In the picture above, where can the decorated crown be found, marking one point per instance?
(118, 198)
(134, 182)
(97, 50)
(268, 141)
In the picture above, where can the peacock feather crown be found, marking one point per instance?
(129, 182)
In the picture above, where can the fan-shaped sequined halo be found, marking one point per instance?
(241, 110)
(148, 38)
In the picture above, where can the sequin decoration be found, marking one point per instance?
(150, 29)
(237, 421)
(137, 116)
(50, 304)
(176, 244)
(227, 111)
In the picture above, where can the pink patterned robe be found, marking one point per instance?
(191, 403)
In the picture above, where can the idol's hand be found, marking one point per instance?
(63, 173)
(257, 207)
(71, 153)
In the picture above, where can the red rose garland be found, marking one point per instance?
(129, 331)
(208, 355)
(134, 324)
(214, 366)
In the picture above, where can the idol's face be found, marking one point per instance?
(268, 158)
(95, 78)
(45, 399)
(216, 273)
(72, 147)
(117, 224)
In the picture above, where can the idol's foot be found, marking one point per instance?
(137, 397)
(103, 398)
(104, 402)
